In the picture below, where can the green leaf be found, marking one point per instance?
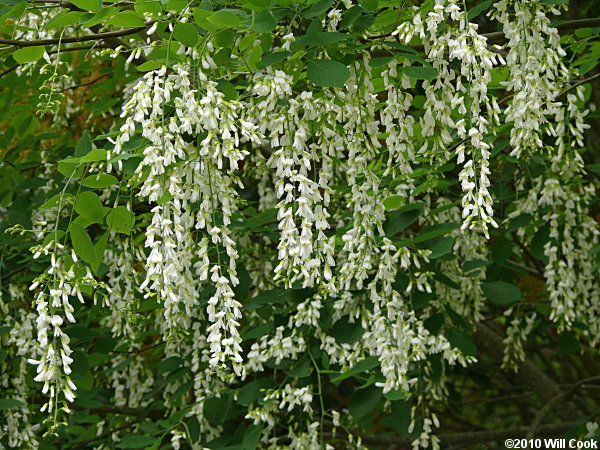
(55, 200)
(346, 332)
(432, 232)
(568, 343)
(226, 87)
(99, 181)
(17, 10)
(29, 54)
(224, 19)
(169, 364)
(434, 323)
(274, 58)
(420, 72)
(255, 55)
(360, 367)
(136, 441)
(350, 16)
(84, 145)
(186, 33)
(194, 428)
(225, 38)
(99, 248)
(368, 5)
(364, 401)
(317, 8)
(327, 73)
(80, 364)
(501, 250)
(404, 218)
(300, 369)
(98, 154)
(462, 341)
(441, 247)
(474, 12)
(257, 331)
(120, 219)
(264, 22)
(82, 244)
(273, 296)
(127, 19)
(91, 19)
(321, 38)
(70, 167)
(88, 5)
(153, 64)
(251, 437)
(395, 395)
(501, 293)
(456, 318)
(201, 17)
(88, 205)
(9, 403)
(538, 243)
(154, 8)
(473, 264)
(216, 408)
(64, 20)
(252, 391)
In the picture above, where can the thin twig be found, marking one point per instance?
(16, 271)
(533, 259)
(107, 433)
(579, 83)
(141, 350)
(529, 270)
(87, 83)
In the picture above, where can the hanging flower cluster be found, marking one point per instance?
(283, 229)
(463, 89)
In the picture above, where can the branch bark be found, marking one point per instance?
(468, 438)
(156, 413)
(91, 37)
(498, 36)
(531, 376)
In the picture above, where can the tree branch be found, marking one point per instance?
(90, 37)
(467, 438)
(498, 36)
(545, 388)
(70, 5)
(68, 49)
(155, 413)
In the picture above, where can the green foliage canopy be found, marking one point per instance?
(297, 224)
